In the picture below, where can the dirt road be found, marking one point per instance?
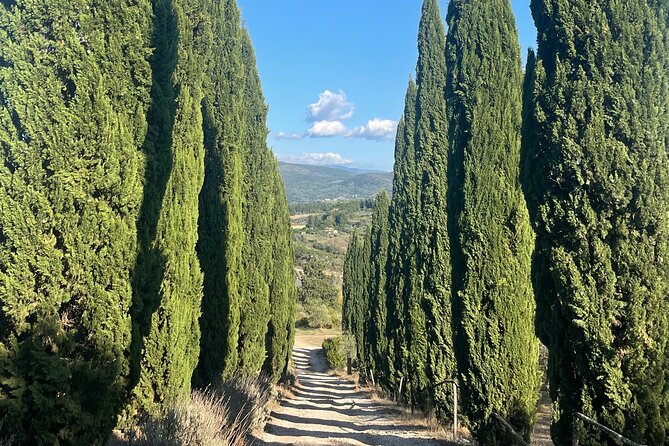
(329, 410)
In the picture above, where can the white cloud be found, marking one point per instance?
(315, 159)
(327, 129)
(330, 107)
(376, 129)
(291, 136)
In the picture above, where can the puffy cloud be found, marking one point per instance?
(327, 129)
(330, 107)
(315, 159)
(376, 129)
(291, 136)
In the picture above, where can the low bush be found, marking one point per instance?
(335, 352)
(319, 315)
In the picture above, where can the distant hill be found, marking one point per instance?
(319, 183)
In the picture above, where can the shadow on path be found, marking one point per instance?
(329, 410)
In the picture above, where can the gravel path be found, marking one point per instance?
(329, 410)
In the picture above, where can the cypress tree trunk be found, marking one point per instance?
(491, 237)
(596, 178)
(377, 308)
(221, 223)
(171, 347)
(402, 215)
(72, 123)
(431, 357)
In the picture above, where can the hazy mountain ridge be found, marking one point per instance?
(307, 183)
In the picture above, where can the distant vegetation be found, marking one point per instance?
(321, 232)
(306, 184)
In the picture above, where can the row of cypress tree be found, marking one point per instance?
(145, 242)
(455, 283)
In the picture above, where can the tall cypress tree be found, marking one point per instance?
(221, 223)
(74, 92)
(350, 283)
(596, 176)
(258, 224)
(401, 258)
(491, 237)
(171, 309)
(431, 358)
(281, 328)
(355, 290)
(376, 320)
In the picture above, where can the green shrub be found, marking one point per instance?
(335, 352)
(319, 314)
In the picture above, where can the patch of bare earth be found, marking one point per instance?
(325, 409)
(541, 435)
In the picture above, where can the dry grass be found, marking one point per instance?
(222, 415)
(203, 421)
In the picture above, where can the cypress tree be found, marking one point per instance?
(258, 226)
(221, 223)
(281, 328)
(74, 91)
(171, 308)
(431, 358)
(596, 181)
(401, 248)
(350, 283)
(376, 320)
(491, 237)
(355, 290)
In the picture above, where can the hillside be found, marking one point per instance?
(317, 183)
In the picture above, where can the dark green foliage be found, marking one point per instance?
(74, 92)
(376, 321)
(491, 237)
(221, 223)
(430, 343)
(350, 286)
(281, 328)
(596, 174)
(355, 289)
(401, 246)
(268, 290)
(258, 198)
(245, 239)
(172, 293)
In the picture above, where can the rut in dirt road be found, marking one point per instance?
(329, 410)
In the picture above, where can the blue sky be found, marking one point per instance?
(335, 73)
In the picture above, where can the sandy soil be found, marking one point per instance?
(541, 435)
(326, 409)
